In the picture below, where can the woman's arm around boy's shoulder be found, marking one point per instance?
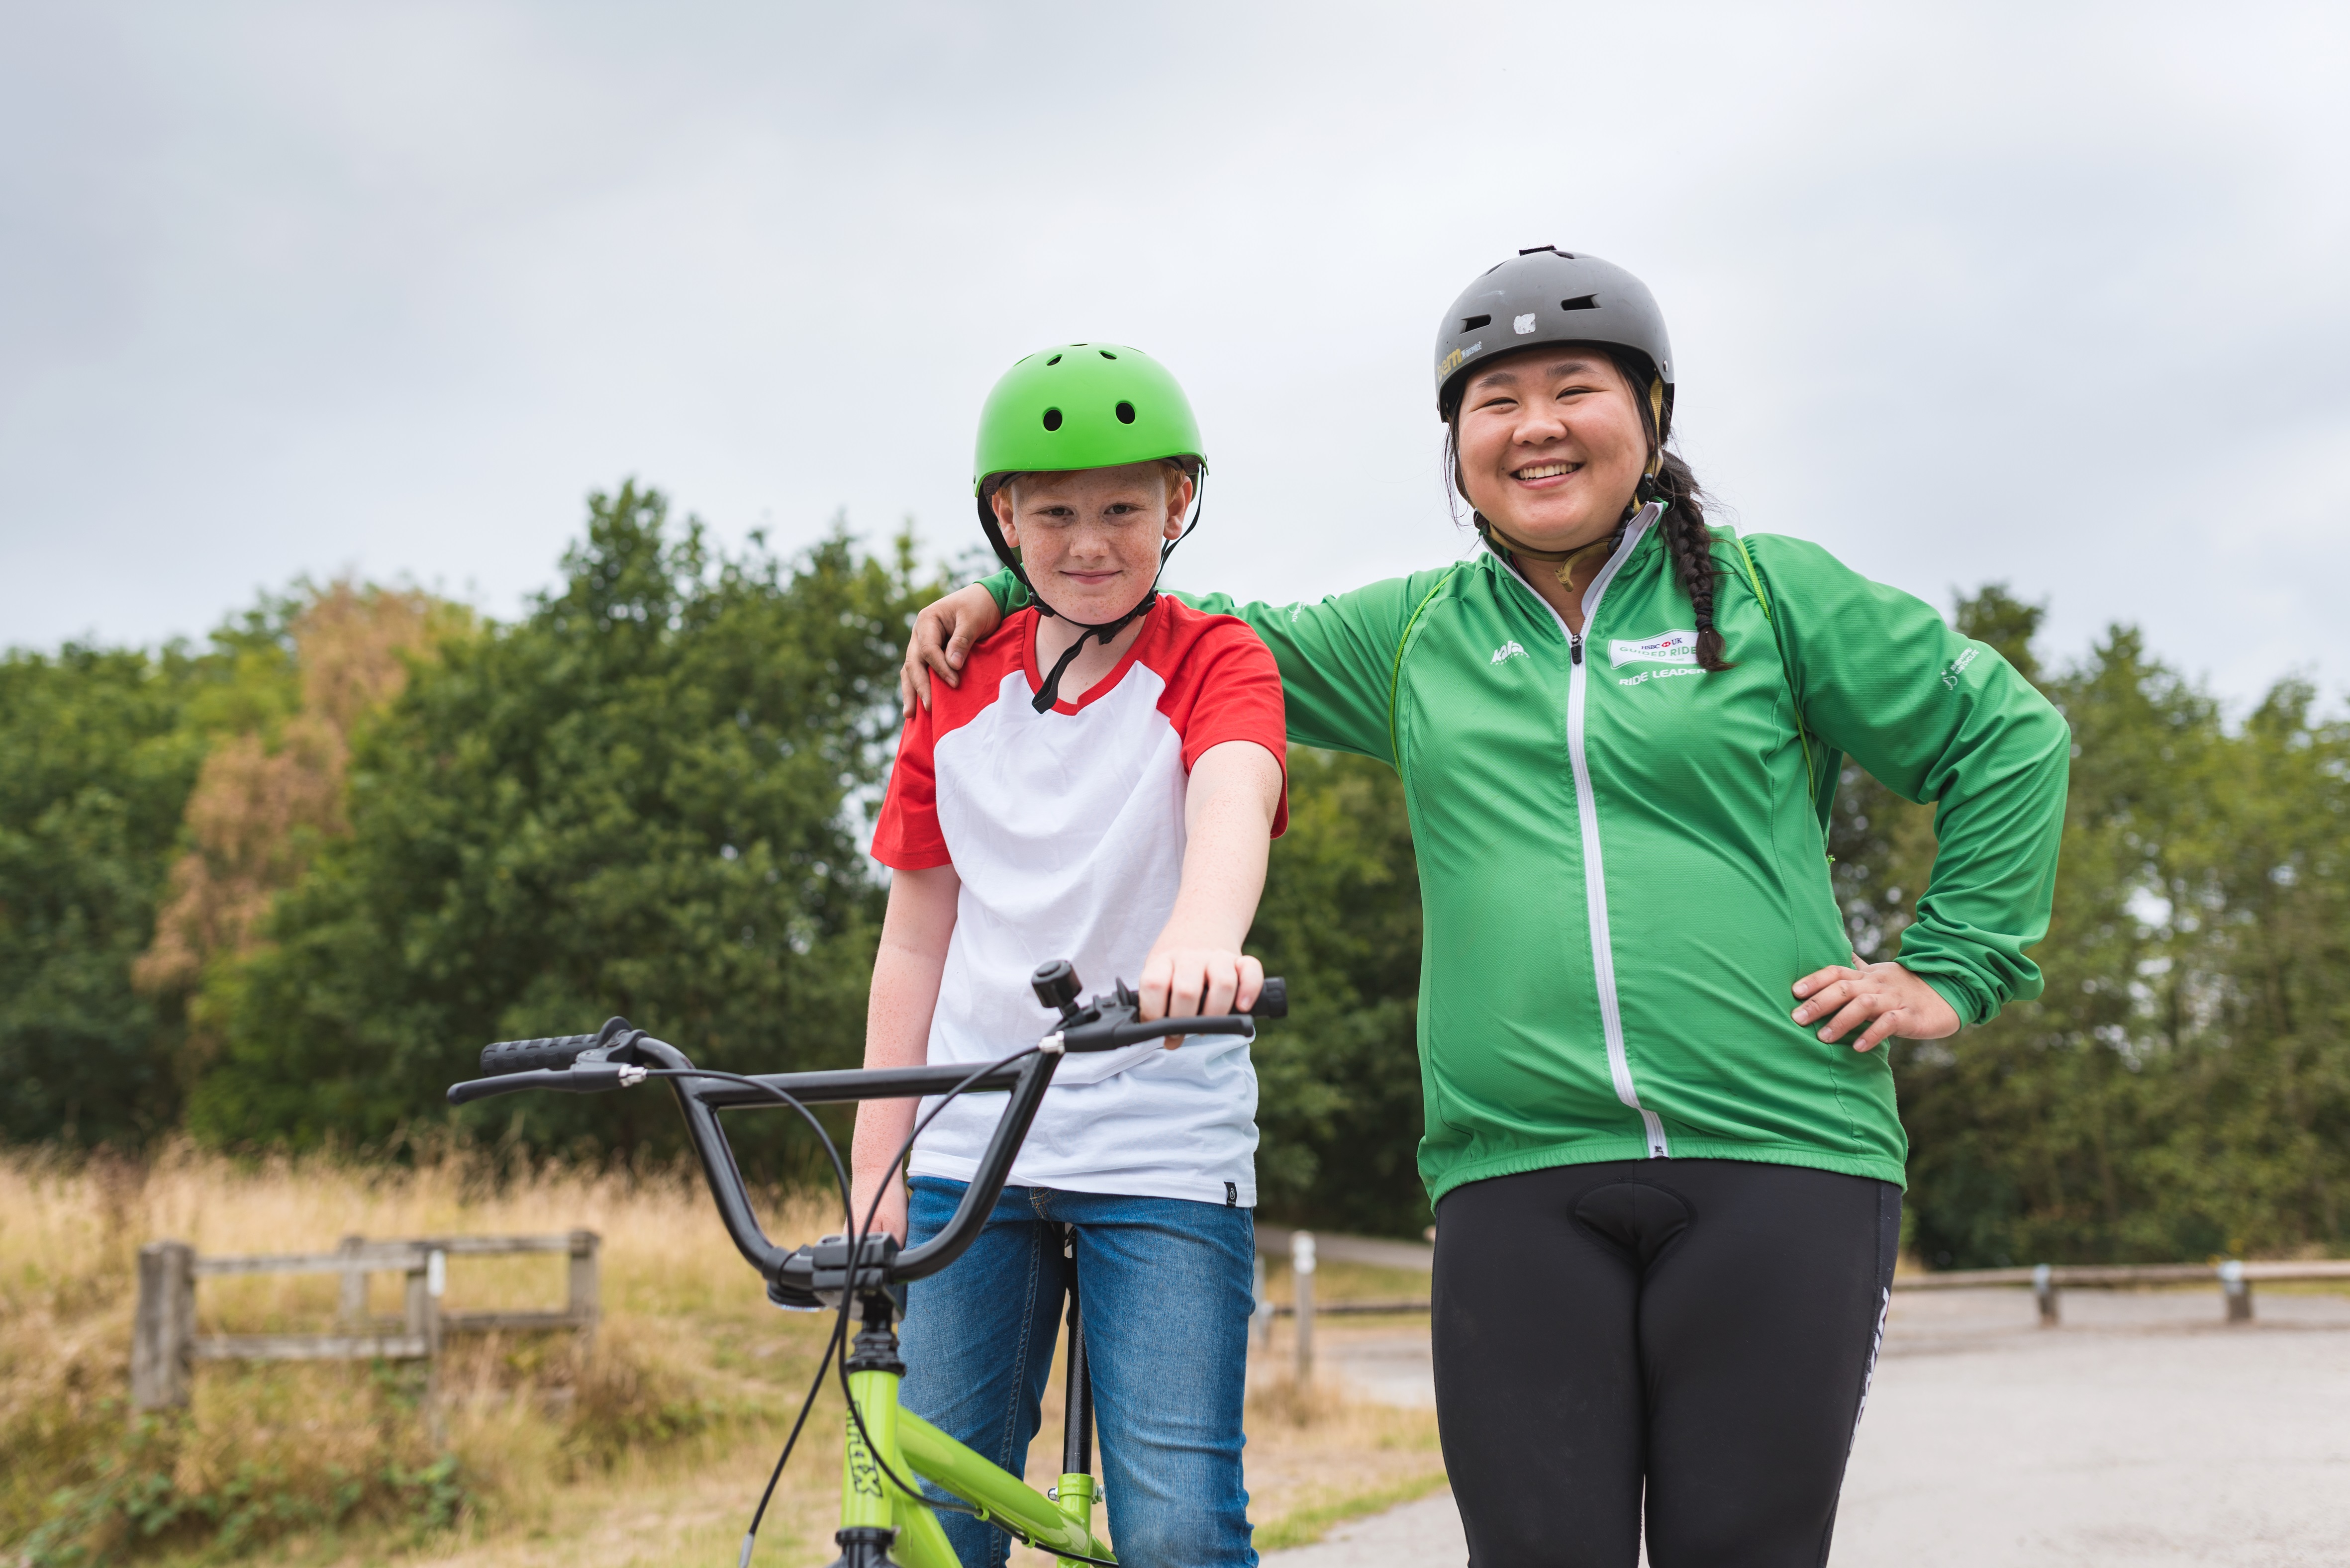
(1337, 656)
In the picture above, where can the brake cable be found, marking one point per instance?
(897, 1162)
(823, 1366)
(840, 1324)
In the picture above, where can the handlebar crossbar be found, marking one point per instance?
(724, 1095)
(618, 1055)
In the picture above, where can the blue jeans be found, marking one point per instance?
(1165, 1287)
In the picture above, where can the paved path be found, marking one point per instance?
(2143, 1433)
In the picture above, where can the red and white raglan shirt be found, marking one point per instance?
(1066, 830)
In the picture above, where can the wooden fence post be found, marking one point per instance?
(2043, 1292)
(421, 1319)
(163, 1334)
(427, 1277)
(586, 1291)
(353, 1310)
(1301, 1268)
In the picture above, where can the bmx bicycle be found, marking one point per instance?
(883, 1509)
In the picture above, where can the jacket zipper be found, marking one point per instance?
(1595, 872)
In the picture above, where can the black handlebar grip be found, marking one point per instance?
(554, 1052)
(529, 1055)
(1273, 1001)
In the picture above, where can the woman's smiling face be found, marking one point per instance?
(1551, 445)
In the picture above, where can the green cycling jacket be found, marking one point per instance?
(1622, 858)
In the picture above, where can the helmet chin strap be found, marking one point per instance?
(1049, 691)
(1648, 494)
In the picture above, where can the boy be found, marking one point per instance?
(1116, 812)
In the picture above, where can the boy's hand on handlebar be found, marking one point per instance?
(1185, 982)
(945, 632)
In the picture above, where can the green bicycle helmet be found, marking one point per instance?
(1078, 406)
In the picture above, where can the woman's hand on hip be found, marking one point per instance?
(944, 634)
(1885, 996)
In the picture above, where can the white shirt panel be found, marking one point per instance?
(1067, 831)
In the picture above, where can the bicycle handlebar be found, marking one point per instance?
(512, 1066)
(619, 1056)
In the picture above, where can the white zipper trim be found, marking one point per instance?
(1595, 872)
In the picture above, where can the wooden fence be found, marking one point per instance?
(165, 1345)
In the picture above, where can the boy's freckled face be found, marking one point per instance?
(1090, 539)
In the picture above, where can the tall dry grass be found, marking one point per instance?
(647, 1452)
(688, 1351)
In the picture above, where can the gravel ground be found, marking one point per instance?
(2142, 1433)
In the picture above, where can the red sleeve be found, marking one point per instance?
(1226, 687)
(907, 838)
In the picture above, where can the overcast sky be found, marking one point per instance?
(2044, 293)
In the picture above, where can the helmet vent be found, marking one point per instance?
(1053, 360)
(1471, 323)
(1126, 413)
(1052, 418)
(1105, 353)
(1580, 302)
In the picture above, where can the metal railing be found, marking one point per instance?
(1305, 1251)
(165, 1345)
(2048, 1281)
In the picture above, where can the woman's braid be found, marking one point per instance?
(1692, 550)
(1684, 528)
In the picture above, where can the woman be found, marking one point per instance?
(1661, 1148)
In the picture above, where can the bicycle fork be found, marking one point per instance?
(877, 1517)
(1077, 1491)
(870, 1512)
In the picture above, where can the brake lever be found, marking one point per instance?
(582, 1077)
(1105, 1027)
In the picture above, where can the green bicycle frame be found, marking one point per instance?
(882, 1522)
(869, 1500)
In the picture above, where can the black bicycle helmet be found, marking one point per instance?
(1549, 296)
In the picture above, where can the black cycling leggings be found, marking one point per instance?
(1703, 1327)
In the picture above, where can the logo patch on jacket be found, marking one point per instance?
(1664, 648)
(1508, 650)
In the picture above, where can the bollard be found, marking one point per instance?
(2237, 1291)
(163, 1331)
(2043, 1292)
(1261, 1320)
(1301, 1267)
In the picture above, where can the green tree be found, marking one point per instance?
(643, 799)
(1338, 1104)
(97, 755)
(2183, 1085)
